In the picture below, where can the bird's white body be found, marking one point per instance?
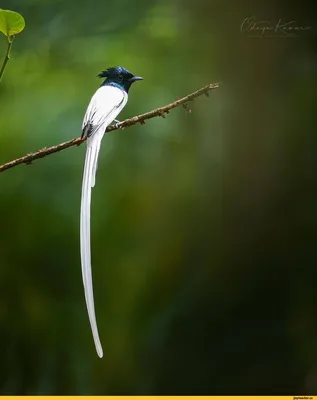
(105, 105)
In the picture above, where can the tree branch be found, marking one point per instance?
(7, 57)
(158, 112)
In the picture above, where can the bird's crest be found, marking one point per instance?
(112, 72)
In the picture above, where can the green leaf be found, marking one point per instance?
(11, 23)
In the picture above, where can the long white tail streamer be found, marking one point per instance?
(88, 181)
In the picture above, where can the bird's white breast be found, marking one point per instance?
(105, 105)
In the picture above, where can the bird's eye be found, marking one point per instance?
(120, 77)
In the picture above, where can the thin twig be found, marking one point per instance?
(7, 57)
(158, 112)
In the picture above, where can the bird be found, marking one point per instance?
(105, 105)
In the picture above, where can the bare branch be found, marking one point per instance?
(158, 112)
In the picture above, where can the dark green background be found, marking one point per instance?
(204, 225)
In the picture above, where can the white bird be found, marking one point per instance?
(105, 105)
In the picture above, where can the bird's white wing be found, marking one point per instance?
(103, 108)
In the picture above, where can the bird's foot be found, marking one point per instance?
(117, 123)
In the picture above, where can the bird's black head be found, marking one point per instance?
(118, 77)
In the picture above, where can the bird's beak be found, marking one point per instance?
(136, 78)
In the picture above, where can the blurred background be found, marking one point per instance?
(204, 225)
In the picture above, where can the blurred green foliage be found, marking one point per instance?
(203, 225)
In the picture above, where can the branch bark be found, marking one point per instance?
(6, 58)
(158, 112)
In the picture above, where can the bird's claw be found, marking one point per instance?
(117, 123)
